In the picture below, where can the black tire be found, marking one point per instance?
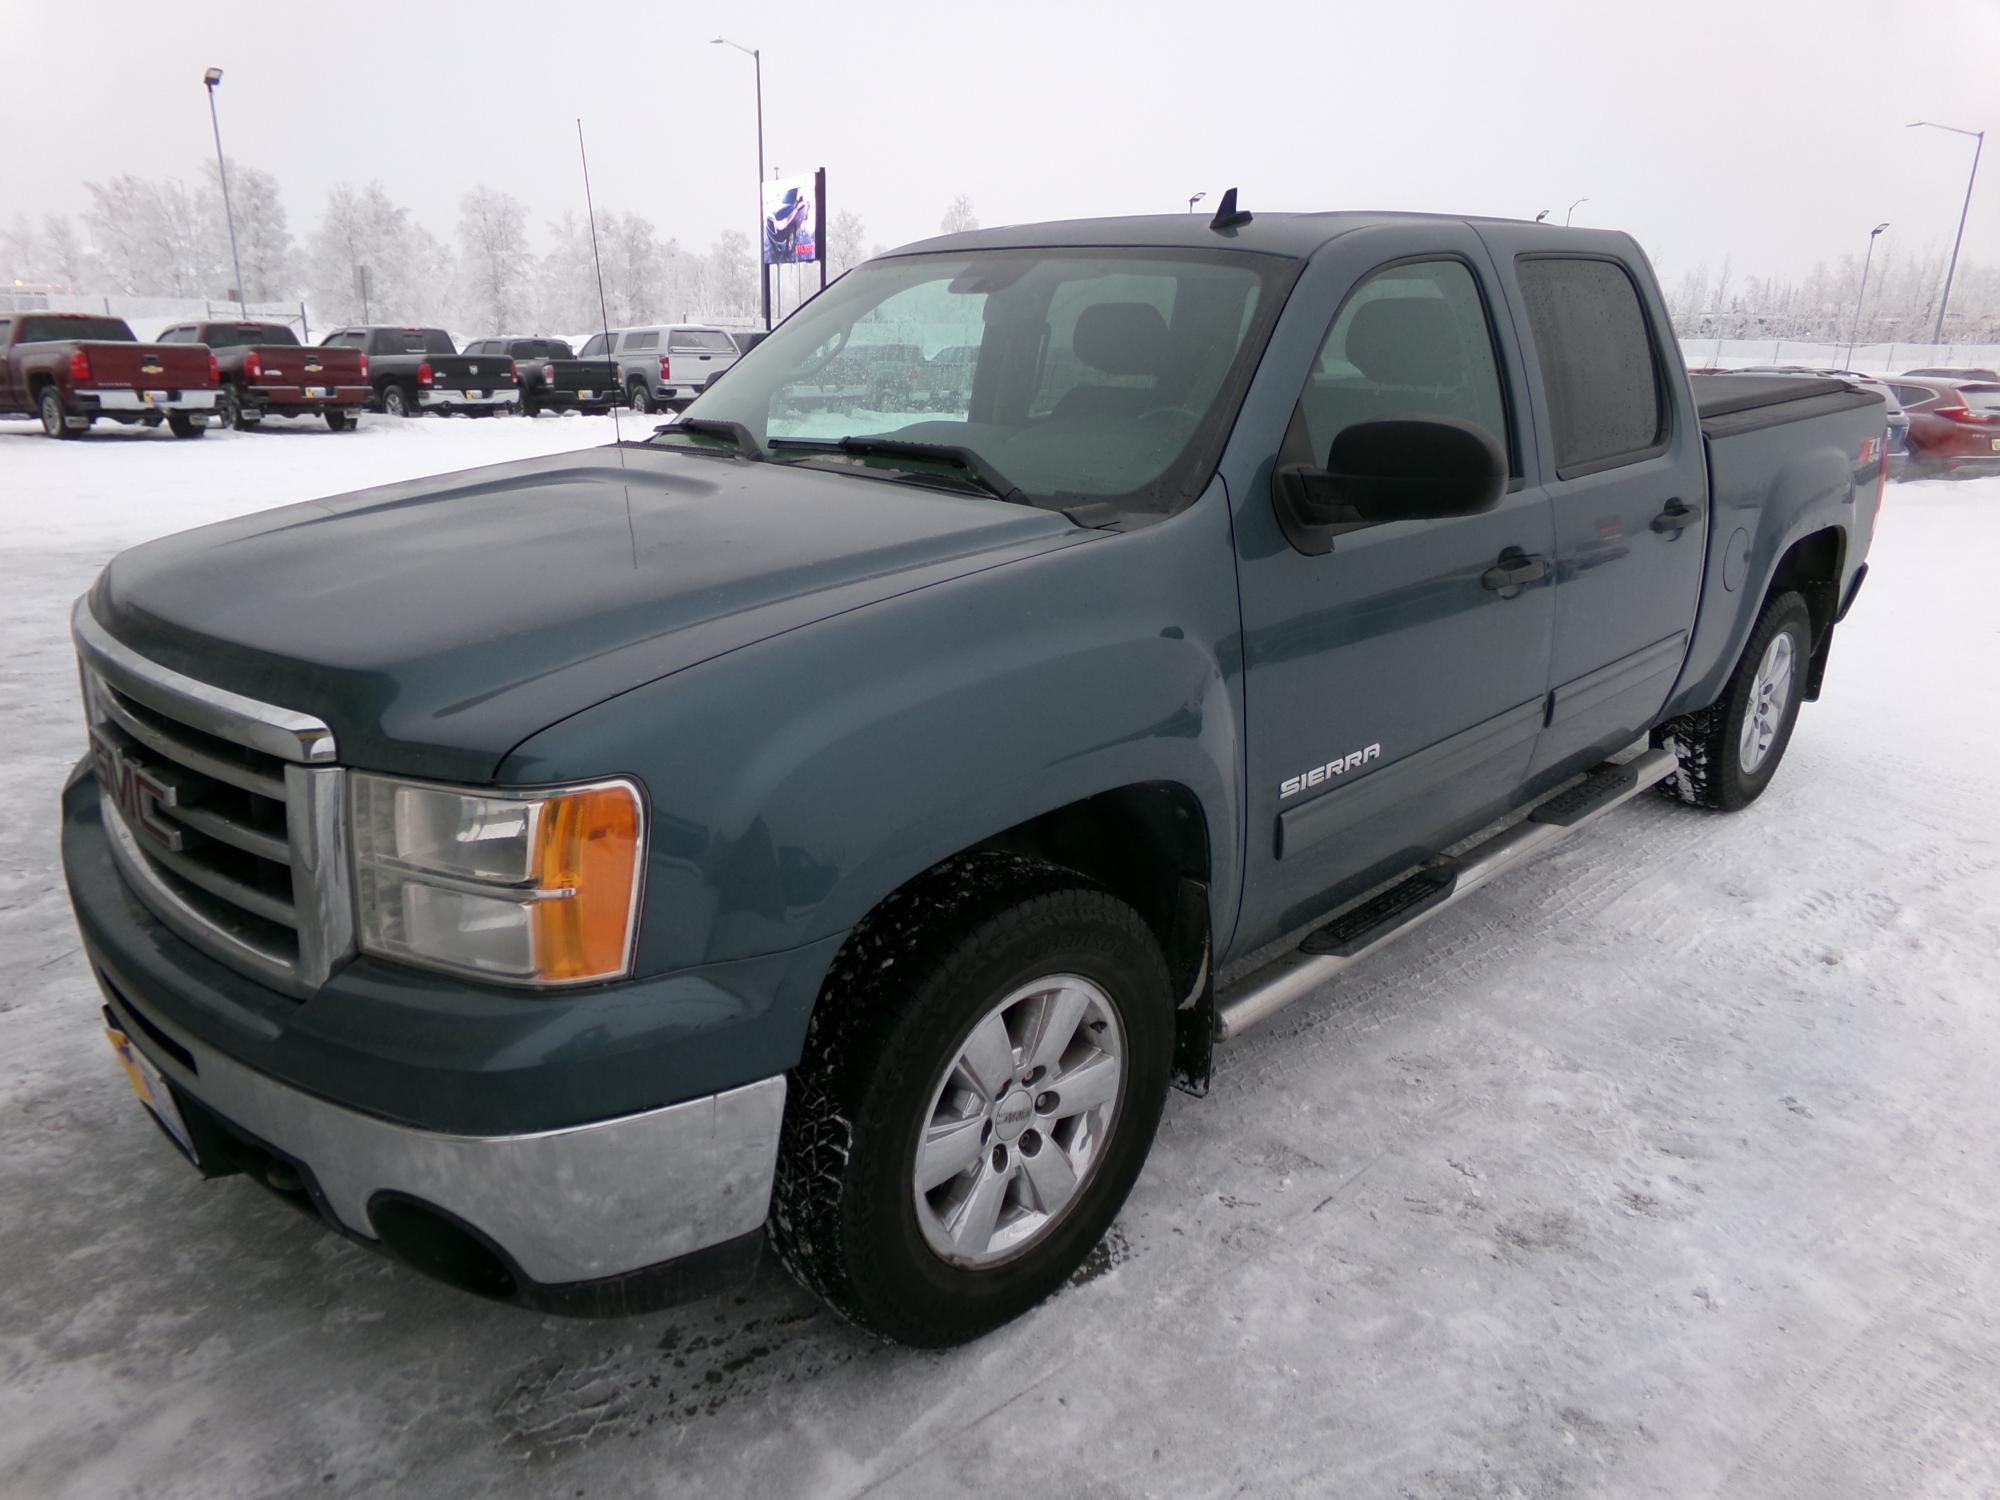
(229, 407)
(398, 402)
(642, 398)
(528, 408)
(182, 425)
(339, 421)
(49, 407)
(1708, 741)
(902, 998)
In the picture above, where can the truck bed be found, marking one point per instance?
(1732, 404)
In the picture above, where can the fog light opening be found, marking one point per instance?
(432, 1241)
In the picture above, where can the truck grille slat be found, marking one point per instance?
(224, 814)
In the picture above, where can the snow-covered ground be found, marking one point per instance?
(1664, 1167)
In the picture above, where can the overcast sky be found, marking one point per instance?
(1765, 129)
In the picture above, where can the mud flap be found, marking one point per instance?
(1193, 964)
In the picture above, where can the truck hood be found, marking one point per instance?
(437, 623)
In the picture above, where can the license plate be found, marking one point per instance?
(151, 1087)
(149, 397)
(1996, 445)
(315, 392)
(475, 395)
(586, 395)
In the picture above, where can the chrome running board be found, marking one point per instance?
(1434, 886)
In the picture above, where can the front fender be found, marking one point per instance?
(796, 782)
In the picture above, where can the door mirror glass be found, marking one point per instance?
(1416, 468)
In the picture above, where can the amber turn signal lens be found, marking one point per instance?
(587, 848)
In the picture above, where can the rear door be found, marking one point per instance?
(1627, 484)
(1395, 684)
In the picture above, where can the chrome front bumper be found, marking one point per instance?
(136, 401)
(578, 1204)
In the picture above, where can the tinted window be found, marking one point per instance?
(1596, 357)
(700, 341)
(5, 325)
(1914, 395)
(47, 330)
(538, 349)
(1412, 341)
(410, 341)
(639, 341)
(1981, 397)
(238, 336)
(594, 347)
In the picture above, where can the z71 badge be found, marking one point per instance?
(1320, 775)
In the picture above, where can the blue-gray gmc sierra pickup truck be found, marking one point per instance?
(824, 826)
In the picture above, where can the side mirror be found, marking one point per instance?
(1398, 469)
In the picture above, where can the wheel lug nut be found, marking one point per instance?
(1046, 1103)
(1032, 1077)
(999, 1158)
(1031, 1142)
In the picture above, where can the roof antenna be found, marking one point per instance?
(1227, 214)
(603, 311)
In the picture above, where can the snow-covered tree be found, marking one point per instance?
(494, 263)
(66, 259)
(727, 284)
(959, 215)
(263, 237)
(153, 237)
(411, 271)
(846, 237)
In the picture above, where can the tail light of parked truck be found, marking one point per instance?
(253, 367)
(548, 374)
(424, 373)
(79, 367)
(214, 370)
(364, 367)
(666, 367)
(513, 373)
(534, 888)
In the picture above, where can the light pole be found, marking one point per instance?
(212, 77)
(1979, 144)
(1855, 332)
(756, 56)
(1194, 200)
(1572, 209)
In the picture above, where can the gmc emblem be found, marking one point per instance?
(136, 793)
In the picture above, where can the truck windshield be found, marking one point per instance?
(49, 330)
(1102, 373)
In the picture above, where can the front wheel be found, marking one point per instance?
(1729, 751)
(969, 1118)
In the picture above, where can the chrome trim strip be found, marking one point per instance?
(316, 803)
(190, 756)
(130, 400)
(235, 892)
(568, 1205)
(282, 732)
(228, 831)
(456, 397)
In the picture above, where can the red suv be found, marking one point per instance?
(1954, 424)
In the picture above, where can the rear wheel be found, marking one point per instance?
(969, 1118)
(182, 425)
(1730, 750)
(50, 409)
(397, 402)
(642, 398)
(229, 407)
(339, 421)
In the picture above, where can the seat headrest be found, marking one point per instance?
(1410, 341)
(1121, 338)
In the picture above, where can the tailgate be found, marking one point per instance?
(571, 375)
(147, 366)
(316, 365)
(470, 372)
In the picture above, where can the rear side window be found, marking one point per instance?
(1913, 395)
(700, 341)
(594, 346)
(639, 341)
(35, 330)
(1412, 341)
(1597, 362)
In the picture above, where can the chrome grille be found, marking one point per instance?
(223, 812)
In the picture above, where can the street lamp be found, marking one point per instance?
(763, 271)
(211, 78)
(1572, 209)
(1855, 332)
(1194, 200)
(1979, 144)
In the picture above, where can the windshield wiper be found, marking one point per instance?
(744, 439)
(977, 471)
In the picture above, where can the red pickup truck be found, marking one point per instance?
(266, 372)
(69, 369)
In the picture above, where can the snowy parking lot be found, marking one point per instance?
(1663, 1167)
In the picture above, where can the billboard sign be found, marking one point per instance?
(791, 221)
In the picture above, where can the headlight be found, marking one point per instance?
(520, 887)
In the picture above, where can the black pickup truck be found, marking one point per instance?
(552, 377)
(843, 829)
(415, 370)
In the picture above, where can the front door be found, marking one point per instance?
(1395, 685)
